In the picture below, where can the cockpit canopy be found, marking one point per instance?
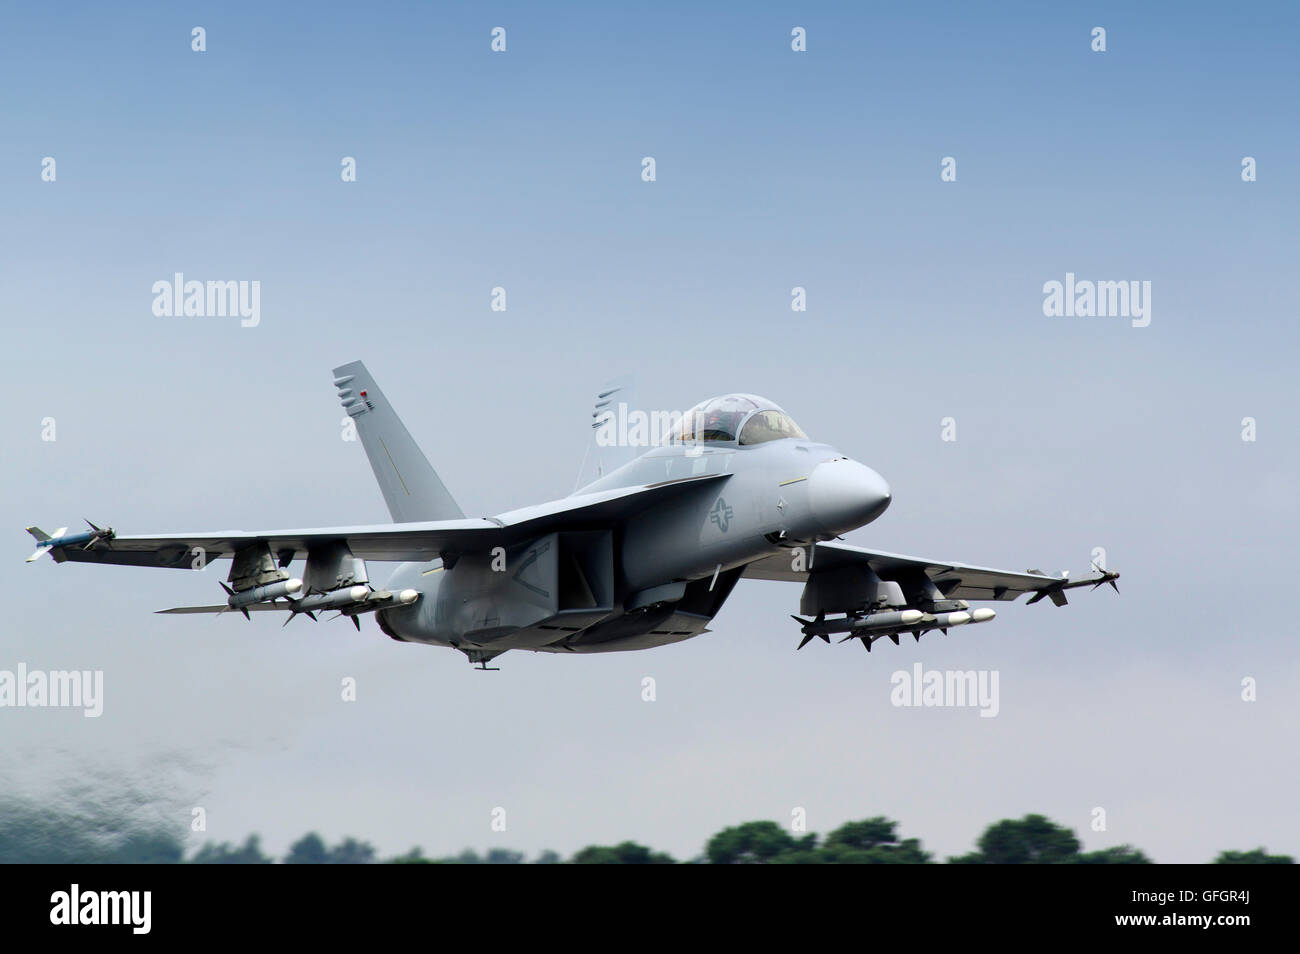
(743, 418)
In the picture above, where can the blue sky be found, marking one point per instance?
(775, 169)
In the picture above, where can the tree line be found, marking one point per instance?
(1033, 839)
(129, 828)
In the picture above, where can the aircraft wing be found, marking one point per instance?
(416, 542)
(956, 580)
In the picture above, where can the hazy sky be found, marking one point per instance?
(774, 169)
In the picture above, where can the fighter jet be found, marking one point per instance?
(643, 556)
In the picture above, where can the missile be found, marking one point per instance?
(335, 599)
(959, 618)
(850, 624)
(262, 594)
(880, 623)
(371, 602)
(944, 620)
(382, 599)
(87, 540)
(888, 620)
(890, 624)
(351, 602)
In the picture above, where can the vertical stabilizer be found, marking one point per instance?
(606, 450)
(410, 486)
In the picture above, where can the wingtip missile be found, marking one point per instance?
(86, 540)
(1056, 591)
(1107, 576)
(42, 542)
(41, 538)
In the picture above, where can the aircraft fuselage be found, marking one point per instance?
(655, 577)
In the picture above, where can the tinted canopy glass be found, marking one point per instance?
(770, 425)
(748, 417)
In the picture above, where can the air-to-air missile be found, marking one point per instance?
(891, 624)
(86, 539)
(856, 626)
(352, 601)
(261, 594)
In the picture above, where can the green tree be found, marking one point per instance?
(250, 853)
(351, 852)
(625, 853)
(1033, 840)
(1118, 855)
(873, 841)
(1256, 857)
(413, 857)
(307, 850)
(757, 842)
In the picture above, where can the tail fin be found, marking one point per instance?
(42, 543)
(410, 486)
(613, 402)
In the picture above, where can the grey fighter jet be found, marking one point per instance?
(643, 556)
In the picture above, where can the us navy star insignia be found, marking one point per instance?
(721, 514)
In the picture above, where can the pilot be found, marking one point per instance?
(719, 426)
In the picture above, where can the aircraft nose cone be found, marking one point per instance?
(844, 494)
